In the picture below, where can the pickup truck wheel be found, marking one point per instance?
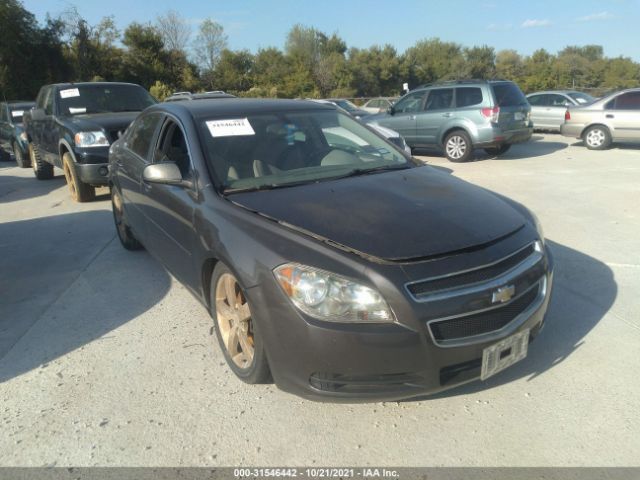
(495, 151)
(235, 328)
(41, 169)
(457, 146)
(125, 235)
(21, 159)
(597, 138)
(80, 191)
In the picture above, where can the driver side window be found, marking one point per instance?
(410, 103)
(172, 147)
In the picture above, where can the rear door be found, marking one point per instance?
(438, 109)
(404, 118)
(513, 106)
(623, 112)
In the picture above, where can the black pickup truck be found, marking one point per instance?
(72, 126)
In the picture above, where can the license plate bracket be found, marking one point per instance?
(503, 354)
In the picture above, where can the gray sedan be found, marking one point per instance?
(547, 108)
(614, 118)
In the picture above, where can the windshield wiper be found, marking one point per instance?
(367, 171)
(268, 186)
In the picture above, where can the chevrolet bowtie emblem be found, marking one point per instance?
(503, 294)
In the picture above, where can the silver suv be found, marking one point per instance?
(461, 115)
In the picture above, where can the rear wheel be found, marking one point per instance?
(21, 159)
(125, 235)
(41, 169)
(495, 151)
(597, 138)
(457, 146)
(236, 330)
(80, 191)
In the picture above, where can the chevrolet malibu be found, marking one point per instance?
(331, 261)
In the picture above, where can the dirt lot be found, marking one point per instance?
(106, 360)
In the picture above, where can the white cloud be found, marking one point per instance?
(595, 17)
(529, 23)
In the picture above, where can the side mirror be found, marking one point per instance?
(163, 173)
(37, 113)
(391, 110)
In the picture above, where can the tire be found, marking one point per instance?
(504, 148)
(41, 169)
(125, 235)
(22, 160)
(597, 137)
(80, 191)
(243, 350)
(458, 147)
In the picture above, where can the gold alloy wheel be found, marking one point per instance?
(69, 178)
(234, 321)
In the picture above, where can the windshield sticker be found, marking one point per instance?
(75, 110)
(17, 113)
(230, 128)
(69, 92)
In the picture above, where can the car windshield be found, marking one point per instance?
(282, 149)
(17, 114)
(508, 95)
(581, 98)
(346, 104)
(83, 99)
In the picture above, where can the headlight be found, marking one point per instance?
(538, 226)
(331, 297)
(91, 139)
(23, 136)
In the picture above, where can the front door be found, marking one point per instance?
(437, 110)
(169, 209)
(404, 116)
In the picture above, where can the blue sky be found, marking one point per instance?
(524, 26)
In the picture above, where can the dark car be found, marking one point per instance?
(72, 126)
(13, 138)
(342, 268)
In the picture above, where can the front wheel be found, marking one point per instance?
(597, 138)
(495, 151)
(457, 146)
(236, 329)
(125, 235)
(21, 159)
(80, 191)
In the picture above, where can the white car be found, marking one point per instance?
(378, 105)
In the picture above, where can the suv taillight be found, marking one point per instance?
(567, 115)
(491, 113)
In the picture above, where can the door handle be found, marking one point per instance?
(446, 115)
(609, 115)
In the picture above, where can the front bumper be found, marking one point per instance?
(368, 363)
(92, 165)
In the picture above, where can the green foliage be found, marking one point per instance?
(312, 64)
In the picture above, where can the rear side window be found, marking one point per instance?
(439, 99)
(538, 100)
(468, 96)
(508, 95)
(142, 133)
(628, 101)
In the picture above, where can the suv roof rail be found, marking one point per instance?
(180, 93)
(461, 81)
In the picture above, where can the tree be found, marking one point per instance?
(145, 59)
(209, 44)
(509, 65)
(375, 71)
(233, 71)
(175, 31)
(432, 60)
(479, 62)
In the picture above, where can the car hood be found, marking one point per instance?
(105, 121)
(397, 216)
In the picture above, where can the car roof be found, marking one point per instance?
(565, 92)
(206, 108)
(81, 84)
(177, 96)
(20, 103)
(471, 81)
